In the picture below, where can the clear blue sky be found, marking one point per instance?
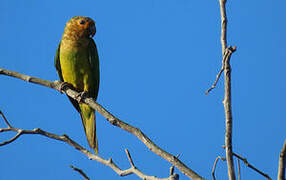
(157, 58)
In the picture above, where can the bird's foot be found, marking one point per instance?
(81, 96)
(63, 87)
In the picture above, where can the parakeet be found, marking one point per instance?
(77, 63)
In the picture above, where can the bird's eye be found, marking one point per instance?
(82, 22)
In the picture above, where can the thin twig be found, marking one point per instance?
(13, 138)
(80, 172)
(215, 82)
(143, 176)
(214, 166)
(251, 166)
(66, 139)
(6, 121)
(57, 85)
(282, 163)
(129, 158)
(238, 167)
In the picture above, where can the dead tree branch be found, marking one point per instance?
(80, 172)
(129, 158)
(57, 85)
(223, 25)
(238, 167)
(214, 166)
(66, 139)
(251, 166)
(226, 68)
(223, 40)
(226, 52)
(228, 114)
(282, 163)
(216, 80)
(5, 119)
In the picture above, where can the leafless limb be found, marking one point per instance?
(226, 68)
(228, 113)
(80, 172)
(57, 85)
(143, 176)
(129, 158)
(227, 106)
(223, 25)
(251, 166)
(214, 166)
(222, 39)
(66, 139)
(282, 163)
(226, 52)
(6, 121)
(222, 69)
(238, 167)
(216, 80)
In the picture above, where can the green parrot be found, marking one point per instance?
(77, 63)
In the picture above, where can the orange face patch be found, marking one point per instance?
(80, 26)
(83, 24)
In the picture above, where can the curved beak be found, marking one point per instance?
(92, 30)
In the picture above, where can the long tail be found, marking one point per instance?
(88, 121)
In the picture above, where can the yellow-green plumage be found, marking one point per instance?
(77, 63)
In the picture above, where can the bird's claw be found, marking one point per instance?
(63, 86)
(81, 96)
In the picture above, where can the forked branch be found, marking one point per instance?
(66, 139)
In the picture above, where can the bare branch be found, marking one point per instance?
(65, 138)
(136, 171)
(227, 97)
(110, 117)
(251, 166)
(225, 56)
(80, 172)
(228, 113)
(6, 121)
(216, 80)
(129, 158)
(223, 25)
(214, 166)
(238, 167)
(282, 163)
(226, 53)
(12, 139)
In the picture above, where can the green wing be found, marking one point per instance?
(94, 65)
(57, 63)
(59, 70)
